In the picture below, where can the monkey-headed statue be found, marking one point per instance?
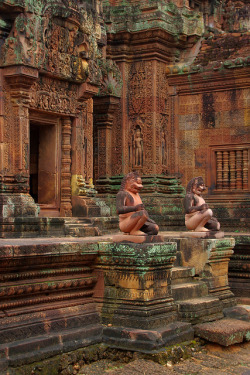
(198, 216)
(133, 218)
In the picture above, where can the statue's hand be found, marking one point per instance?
(204, 207)
(139, 207)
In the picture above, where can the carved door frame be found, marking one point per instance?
(53, 120)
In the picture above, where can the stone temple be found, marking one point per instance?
(89, 91)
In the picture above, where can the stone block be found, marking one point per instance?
(189, 290)
(224, 332)
(147, 340)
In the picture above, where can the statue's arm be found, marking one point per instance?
(121, 208)
(150, 221)
(189, 204)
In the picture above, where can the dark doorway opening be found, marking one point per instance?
(44, 167)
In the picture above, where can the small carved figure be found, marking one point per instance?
(163, 149)
(138, 147)
(133, 218)
(198, 216)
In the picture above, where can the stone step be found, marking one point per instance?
(78, 225)
(38, 348)
(83, 231)
(224, 331)
(200, 310)
(182, 275)
(181, 292)
(77, 221)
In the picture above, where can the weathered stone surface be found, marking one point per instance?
(210, 234)
(123, 238)
(199, 310)
(224, 331)
(239, 267)
(181, 275)
(210, 259)
(46, 298)
(240, 312)
(138, 303)
(147, 340)
(189, 290)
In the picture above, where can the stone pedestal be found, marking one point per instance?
(46, 299)
(138, 308)
(210, 258)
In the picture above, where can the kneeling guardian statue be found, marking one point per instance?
(133, 218)
(198, 216)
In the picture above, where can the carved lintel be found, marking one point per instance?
(87, 91)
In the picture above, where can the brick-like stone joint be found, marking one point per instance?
(138, 308)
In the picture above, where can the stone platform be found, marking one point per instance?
(59, 294)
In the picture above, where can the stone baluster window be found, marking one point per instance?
(232, 168)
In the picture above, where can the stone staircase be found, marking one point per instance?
(191, 296)
(80, 227)
(90, 227)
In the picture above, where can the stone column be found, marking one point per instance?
(104, 108)
(66, 206)
(138, 307)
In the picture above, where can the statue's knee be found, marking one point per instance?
(152, 229)
(209, 212)
(155, 229)
(144, 214)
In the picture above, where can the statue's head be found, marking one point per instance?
(131, 182)
(196, 186)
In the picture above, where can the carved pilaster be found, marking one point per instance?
(14, 147)
(20, 80)
(104, 108)
(66, 207)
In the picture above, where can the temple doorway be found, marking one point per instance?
(44, 166)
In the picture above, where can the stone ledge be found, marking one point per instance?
(204, 235)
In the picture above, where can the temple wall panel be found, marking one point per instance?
(210, 119)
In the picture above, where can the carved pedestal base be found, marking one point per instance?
(138, 306)
(17, 205)
(210, 258)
